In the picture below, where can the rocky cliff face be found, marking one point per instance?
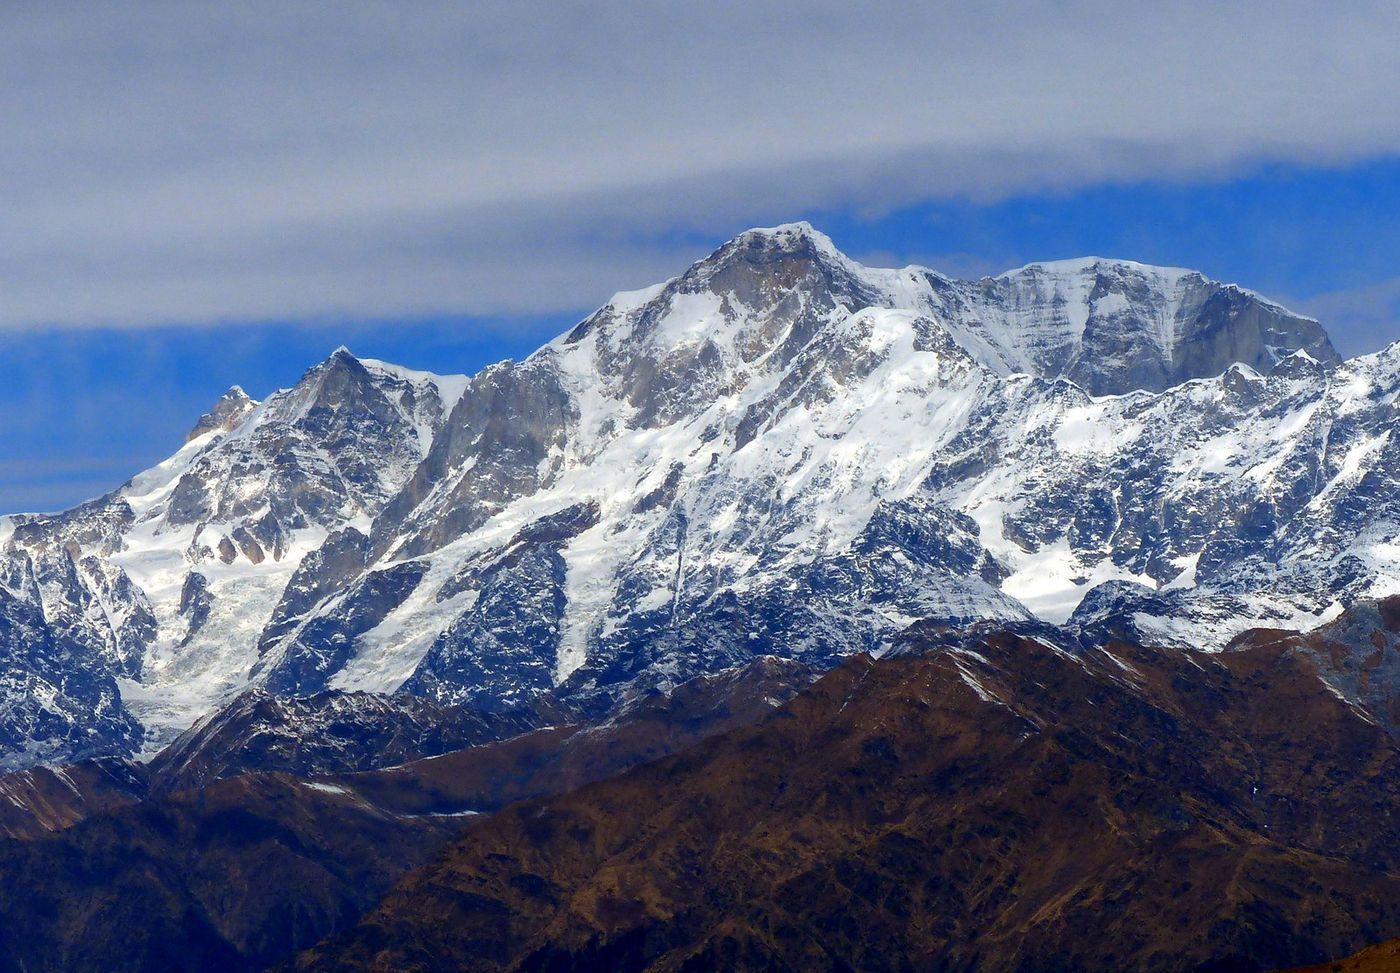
(777, 452)
(1115, 326)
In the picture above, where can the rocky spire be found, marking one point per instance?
(231, 408)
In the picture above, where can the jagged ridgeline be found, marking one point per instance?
(779, 452)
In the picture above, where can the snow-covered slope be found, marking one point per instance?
(778, 452)
(167, 582)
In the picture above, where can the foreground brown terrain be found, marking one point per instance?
(988, 798)
(989, 802)
(242, 872)
(1381, 958)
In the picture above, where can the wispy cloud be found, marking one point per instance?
(197, 162)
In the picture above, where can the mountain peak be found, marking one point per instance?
(799, 239)
(226, 413)
(341, 362)
(786, 234)
(758, 267)
(342, 379)
(1074, 266)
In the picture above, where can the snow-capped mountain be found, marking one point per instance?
(778, 452)
(164, 585)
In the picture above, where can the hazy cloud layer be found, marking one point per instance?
(191, 162)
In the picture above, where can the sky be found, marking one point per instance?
(197, 195)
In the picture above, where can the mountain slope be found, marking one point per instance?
(308, 736)
(165, 583)
(241, 872)
(987, 800)
(1381, 958)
